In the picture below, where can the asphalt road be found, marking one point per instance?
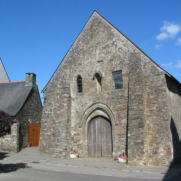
(31, 165)
(30, 174)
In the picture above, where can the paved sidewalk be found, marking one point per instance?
(35, 159)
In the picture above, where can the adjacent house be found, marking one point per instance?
(107, 97)
(21, 102)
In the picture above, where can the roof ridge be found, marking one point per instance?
(11, 82)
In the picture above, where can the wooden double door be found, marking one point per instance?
(99, 138)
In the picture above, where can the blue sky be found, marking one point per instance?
(36, 34)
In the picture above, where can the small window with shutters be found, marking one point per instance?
(79, 84)
(118, 80)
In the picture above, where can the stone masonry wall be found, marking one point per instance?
(55, 132)
(158, 140)
(99, 49)
(30, 113)
(136, 122)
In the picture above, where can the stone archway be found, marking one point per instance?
(96, 110)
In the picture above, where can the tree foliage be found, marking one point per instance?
(5, 123)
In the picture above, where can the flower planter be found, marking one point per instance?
(121, 160)
(74, 155)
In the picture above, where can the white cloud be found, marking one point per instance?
(168, 30)
(169, 65)
(158, 46)
(162, 36)
(178, 41)
(171, 28)
(178, 65)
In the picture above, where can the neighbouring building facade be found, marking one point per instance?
(107, 97)
(21, 101)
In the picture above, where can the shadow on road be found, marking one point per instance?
(6, 168)
(3, 155)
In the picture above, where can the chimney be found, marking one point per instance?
(30, 79)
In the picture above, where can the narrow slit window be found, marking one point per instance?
(98, 79)
(118, 80)
(79, 83)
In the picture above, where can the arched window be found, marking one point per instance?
(98, 79)
(79, 83)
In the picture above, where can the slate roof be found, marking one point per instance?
(13, 96)
(3, 74)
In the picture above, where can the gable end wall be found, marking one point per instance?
(140, 108)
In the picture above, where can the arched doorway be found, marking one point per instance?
(99, 137)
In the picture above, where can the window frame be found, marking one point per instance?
(79, 84)
(117, 79)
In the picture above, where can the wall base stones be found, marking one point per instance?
(10, 143)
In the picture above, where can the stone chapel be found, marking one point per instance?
(107, 97)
